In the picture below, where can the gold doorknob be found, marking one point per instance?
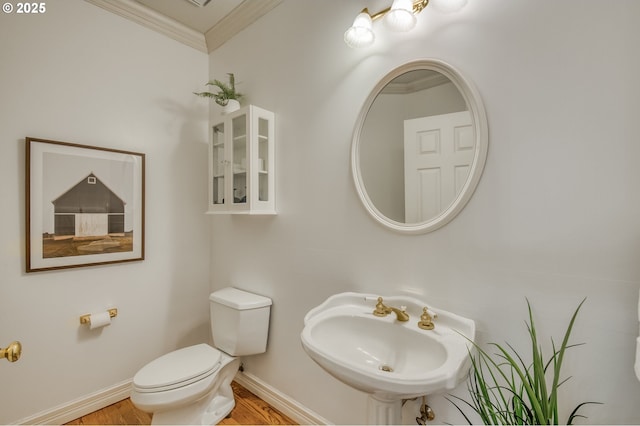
(12, 352)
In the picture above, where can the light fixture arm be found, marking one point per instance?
(418, 6)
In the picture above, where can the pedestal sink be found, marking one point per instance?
(390, 360)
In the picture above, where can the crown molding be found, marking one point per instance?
(158, 22)
(412, 86)
(238, 19)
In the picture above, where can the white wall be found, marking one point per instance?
(80, 74)
(554, 218)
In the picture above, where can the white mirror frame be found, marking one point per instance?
(479, 122)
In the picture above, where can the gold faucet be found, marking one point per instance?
(383, 310)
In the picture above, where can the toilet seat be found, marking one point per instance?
(177, 369)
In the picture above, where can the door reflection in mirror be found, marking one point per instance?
(438, 153)
(410, 173)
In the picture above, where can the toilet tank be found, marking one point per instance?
(239, 321)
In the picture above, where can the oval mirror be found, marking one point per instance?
(419, 146)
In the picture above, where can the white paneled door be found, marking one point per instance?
(438, 152)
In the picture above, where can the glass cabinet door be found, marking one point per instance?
(217, 165)
(239, 161)
(263, 159)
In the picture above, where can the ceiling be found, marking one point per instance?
(204, 28)
(201, 19)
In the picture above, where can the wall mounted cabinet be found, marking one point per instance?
(242, 163)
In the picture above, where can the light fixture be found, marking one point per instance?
(361, 32)
(401, 16)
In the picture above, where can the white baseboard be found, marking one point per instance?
(98, 400)
(281, 402)
(80, 407)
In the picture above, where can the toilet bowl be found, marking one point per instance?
(192, 385)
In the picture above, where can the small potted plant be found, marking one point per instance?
(227, 96)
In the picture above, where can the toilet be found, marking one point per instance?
(192, 385)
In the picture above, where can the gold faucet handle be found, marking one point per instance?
(381, 310)
(425, 322)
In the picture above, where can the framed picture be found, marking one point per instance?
(84, 205)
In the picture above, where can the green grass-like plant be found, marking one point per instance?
(506, 390)
(225, 91)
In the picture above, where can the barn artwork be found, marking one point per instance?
(85, 205)
(88, 219)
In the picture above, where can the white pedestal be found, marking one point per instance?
(384, 412)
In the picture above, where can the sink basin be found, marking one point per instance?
(381, 358)
(386, 358)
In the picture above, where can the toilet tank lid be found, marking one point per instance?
(239, 299)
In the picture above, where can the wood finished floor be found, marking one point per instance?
(249, 410)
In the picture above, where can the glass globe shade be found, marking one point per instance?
(400, 17)
(361, 33)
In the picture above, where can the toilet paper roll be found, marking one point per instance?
(99, 320)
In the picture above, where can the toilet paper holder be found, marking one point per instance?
(86, 319)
